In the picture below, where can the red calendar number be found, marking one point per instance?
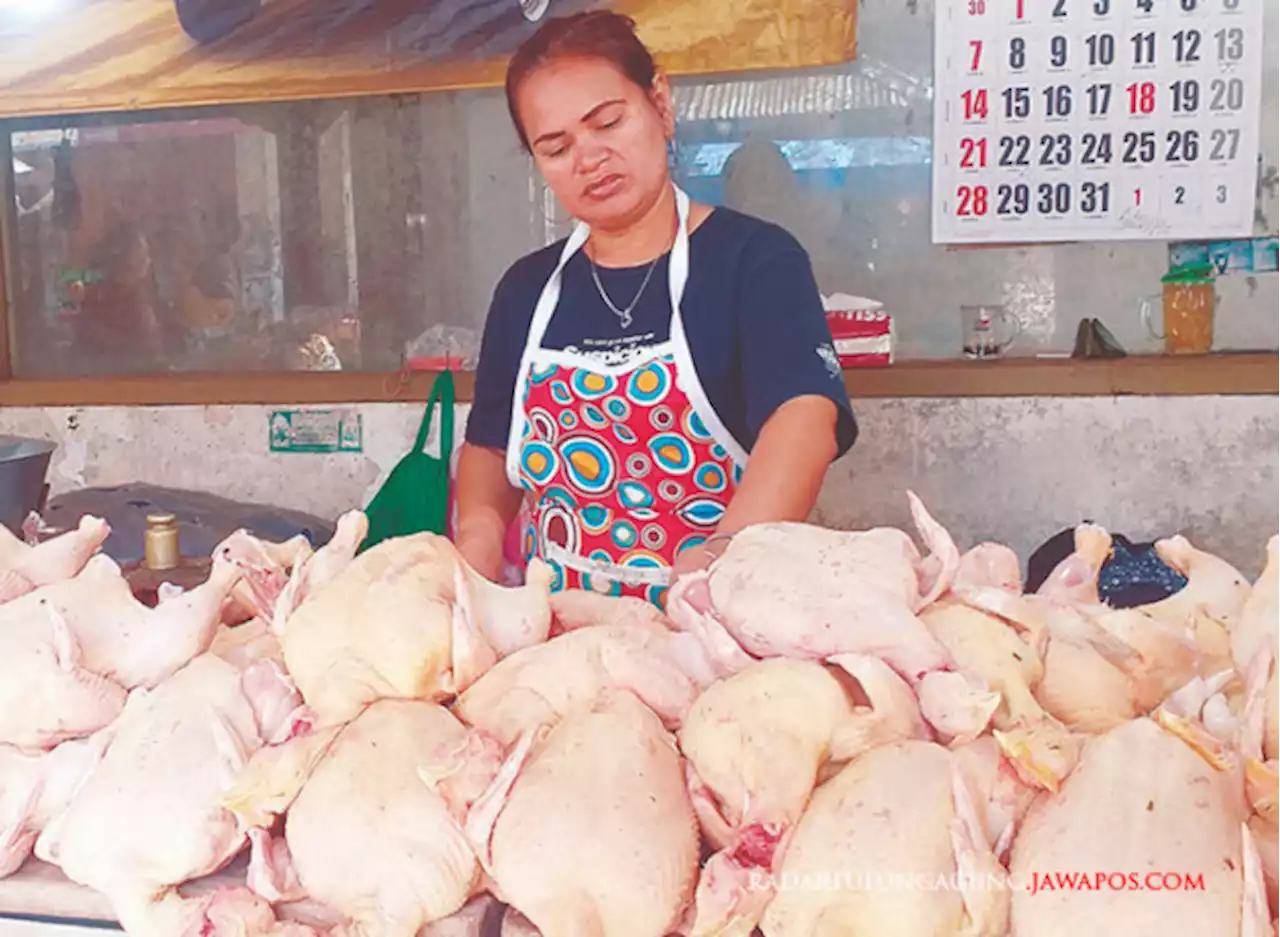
(973, 201)
(1022, 12)
(973, 153)
(977, 7)
(975, 46)
(1142, 97)
(975, 104)
(1137, 197)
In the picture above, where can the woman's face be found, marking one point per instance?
(598, 139)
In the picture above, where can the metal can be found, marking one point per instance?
(160, 542)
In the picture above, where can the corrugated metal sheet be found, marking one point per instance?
(871, 85)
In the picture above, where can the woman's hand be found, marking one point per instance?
(692, 560)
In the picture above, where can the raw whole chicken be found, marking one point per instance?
(756, 744)
(265, 565)
(1041, 748)
(406, 620)
(149, 816)
(315, 569)
(795, 590)
(540, 684)
(123, 639)
(376, 832)
(1093, 678)
(25, 568)
(1140, 802)
(891, 847)
(35, 787)
(1214, 587)
(47, 696)
(588, 830)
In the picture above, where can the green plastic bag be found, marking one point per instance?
(415, 497)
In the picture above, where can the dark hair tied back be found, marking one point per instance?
(599, 34)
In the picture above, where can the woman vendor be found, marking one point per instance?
(662, 378)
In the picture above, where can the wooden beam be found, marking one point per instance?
(1216, 375)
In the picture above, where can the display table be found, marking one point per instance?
(39, 890)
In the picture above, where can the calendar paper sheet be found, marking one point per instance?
(1064, 120)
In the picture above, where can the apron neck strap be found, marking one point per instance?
(677, 273)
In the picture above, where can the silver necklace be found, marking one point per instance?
(624, 315)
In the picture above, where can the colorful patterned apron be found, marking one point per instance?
(625, 465)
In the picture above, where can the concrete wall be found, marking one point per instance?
(1013, 470)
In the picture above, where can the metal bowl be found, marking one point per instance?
(24, 463)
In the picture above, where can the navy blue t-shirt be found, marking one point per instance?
(752, 312)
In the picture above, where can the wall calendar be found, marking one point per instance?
(1061, 120)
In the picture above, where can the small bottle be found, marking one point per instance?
(161, 541)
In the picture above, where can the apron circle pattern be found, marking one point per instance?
(701, 512)
(590, 385)
(589, 465)
(671, 453)
(648, 386)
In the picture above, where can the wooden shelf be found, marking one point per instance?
(1232, 374)
(1154, 375)
(303, 387)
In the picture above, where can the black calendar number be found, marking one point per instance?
(1017, 53)
(1231, 4)
(1015, 151)
(1189, 6)
(1095, 197)
(1224, 144)
(1146, 6)
(1139, 147)
(1230, 44)
(1055, 149)
(1059, 8)
(1184, 146)
(1186, 96)
(1102, 48)
(1058, 46)
(1221, 195)
(1013, 199)
(1101, 7)
(1226, 94)
(1099, 100)
(1017, 102)
(1057, 101)
(1054, 198)
(1186, 45)
(1144, 48)
(1096, 149)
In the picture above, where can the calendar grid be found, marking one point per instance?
(1060, 120)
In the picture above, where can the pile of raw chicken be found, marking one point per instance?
(833, 733)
